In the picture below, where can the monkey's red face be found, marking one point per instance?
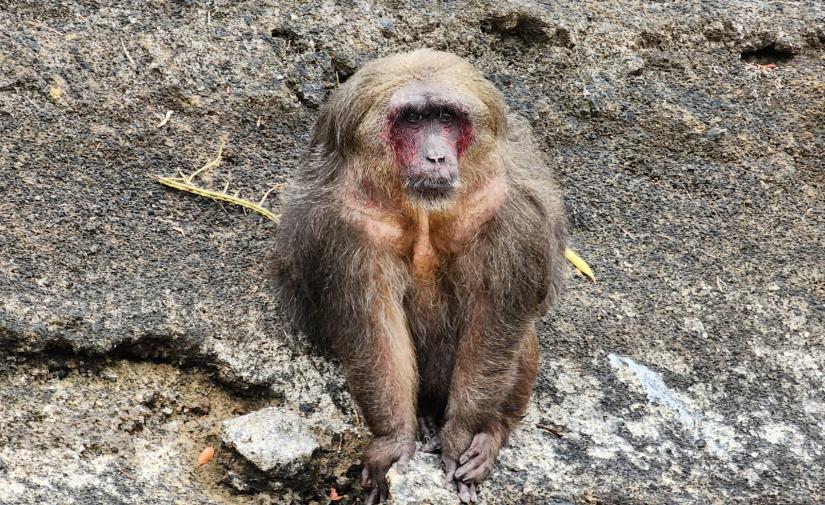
(428, 137)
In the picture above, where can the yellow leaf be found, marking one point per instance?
(579, 263)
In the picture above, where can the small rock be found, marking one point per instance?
(32, 43)
(201, 407)
(275, 440)
(634, 64)
(715, 132)
(237, 482)
(50, 411)
(387, 27)
(109, 375)
(423, 483)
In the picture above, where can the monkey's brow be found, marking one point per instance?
(431, 106)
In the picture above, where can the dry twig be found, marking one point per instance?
(184, 183)
(126, 52)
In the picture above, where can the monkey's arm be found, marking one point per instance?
(520, 254)
(343, 293)
(488, 372)
(381, 370)
(495, 367)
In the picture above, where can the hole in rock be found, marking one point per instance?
(767, 55)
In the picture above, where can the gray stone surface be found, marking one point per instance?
(692, 372)
(422, 483)
(275, 440)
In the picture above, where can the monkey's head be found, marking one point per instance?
(423, 124)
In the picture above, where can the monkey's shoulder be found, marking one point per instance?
(519, 249)
(525, 215)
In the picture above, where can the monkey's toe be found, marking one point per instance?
(433, 445)
(450, 466)
(379, 494)
(428, 434)
(427, 427)
(380, 455)
(377, 486)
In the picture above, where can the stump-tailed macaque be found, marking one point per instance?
(422, 240)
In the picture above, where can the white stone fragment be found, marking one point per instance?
(273, 439)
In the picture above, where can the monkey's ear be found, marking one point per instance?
(323, 132)
(339, 119)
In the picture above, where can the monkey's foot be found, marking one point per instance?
(477, 461)
(429, 434)
(467, 491)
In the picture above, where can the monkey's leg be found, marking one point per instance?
(491, 386)
(382, 376)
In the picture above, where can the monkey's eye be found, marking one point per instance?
(445, 117)
(412, 117)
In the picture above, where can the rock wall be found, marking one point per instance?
(688, 137)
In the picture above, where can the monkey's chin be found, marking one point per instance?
(431, 201)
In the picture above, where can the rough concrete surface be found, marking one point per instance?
(688, 137)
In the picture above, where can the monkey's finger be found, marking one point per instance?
(474, 492)
(466, 468)
(476, 475)
(373, 497)
(464, 493)
(384, 490)
(403, 462)
(366, 481)
(472, 452)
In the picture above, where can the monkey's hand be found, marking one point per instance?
(467, 491)
(382, 452)
(456, 439)
(466, 471)
(477, 462)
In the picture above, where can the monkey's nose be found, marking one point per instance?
(436, 158)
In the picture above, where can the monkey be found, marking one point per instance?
(421, 240)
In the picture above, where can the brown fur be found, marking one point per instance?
(431, 310)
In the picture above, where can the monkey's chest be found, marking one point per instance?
(422, 256)
(430, 311)
(429, 247)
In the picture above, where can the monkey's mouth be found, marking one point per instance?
(431, 188)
